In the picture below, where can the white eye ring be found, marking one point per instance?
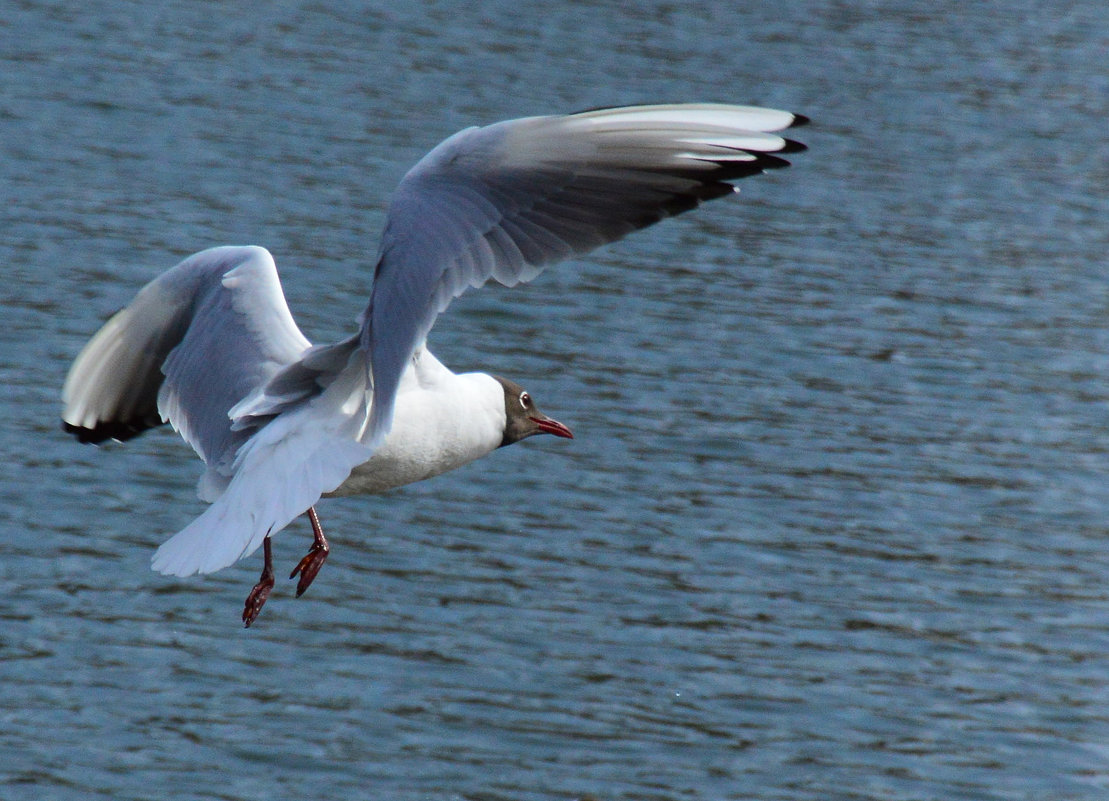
(525, 400)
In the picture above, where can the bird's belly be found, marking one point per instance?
(381, 475)
(460, 420)
(396, 465)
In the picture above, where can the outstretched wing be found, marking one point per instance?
(198, 342)
(192, 344)
(505, 200)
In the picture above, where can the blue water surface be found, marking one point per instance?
(834, 525)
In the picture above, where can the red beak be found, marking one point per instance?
(549, 426)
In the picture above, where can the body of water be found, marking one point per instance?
(836, 521)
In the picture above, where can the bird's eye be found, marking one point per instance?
(525, 400)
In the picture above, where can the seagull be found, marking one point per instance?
(211, 348)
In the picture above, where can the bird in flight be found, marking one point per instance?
(211, 348)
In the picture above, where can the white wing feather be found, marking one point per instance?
(282, 470)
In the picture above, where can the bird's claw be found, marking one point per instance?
(256, 599)
(309, 566)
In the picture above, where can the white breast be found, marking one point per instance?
(442, 421)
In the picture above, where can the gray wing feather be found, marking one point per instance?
(506, 200)
(192, 344)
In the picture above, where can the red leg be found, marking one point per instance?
(310, 565)
(261, 590)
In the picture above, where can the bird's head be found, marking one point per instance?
(523, 418)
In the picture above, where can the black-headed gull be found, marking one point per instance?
(211, 348)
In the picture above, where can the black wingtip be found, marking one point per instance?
(766, 161)
(104, 431)
(799, 120)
